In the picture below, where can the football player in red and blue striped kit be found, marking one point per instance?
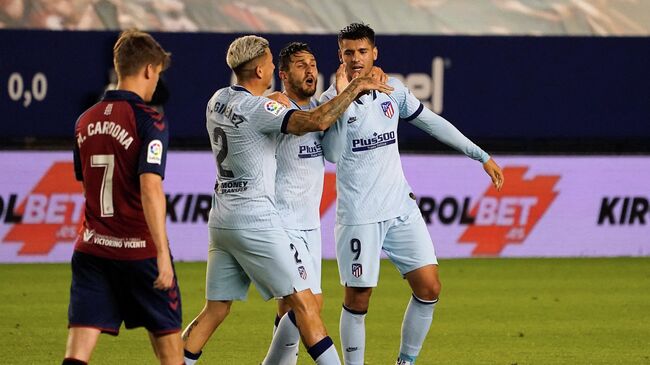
(122, 268)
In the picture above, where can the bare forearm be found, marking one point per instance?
(154, 207)
(325, 115)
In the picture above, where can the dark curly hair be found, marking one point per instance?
(290, 50)
(356, 31)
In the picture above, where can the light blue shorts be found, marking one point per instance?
(404, 239)
(267, 257)
(308, 244)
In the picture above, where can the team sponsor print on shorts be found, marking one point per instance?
(155, 152)
(274, 107)
(357, 270)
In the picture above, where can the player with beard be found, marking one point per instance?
(298, 189)
(299, 186)
(247, 241)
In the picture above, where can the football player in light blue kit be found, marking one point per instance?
(247, 242)
(298, 190)
(376, 209)
(299, 186)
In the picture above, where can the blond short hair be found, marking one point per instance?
(245, 49)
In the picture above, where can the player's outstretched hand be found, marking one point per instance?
(165, 278)
(341, 80)
(495, 173)
(280, 98)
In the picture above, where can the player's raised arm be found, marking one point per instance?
(325, 115)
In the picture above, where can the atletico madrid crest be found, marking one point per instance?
(302, 272)
(387, 107)
(357, 270)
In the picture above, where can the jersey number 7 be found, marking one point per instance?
(107, 162)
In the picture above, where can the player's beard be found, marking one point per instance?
(303, 89)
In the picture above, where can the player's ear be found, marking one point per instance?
(375, 53)
(283, 75)
(148, 71)
(340, 56)
(258, 71)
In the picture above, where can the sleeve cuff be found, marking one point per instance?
(285, 121)
(485, 158)
(414, 115)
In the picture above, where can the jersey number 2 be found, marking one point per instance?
(107, 162)
(220, 135)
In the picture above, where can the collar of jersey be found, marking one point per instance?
(122, 95)
(240, 88)
(374, 96)
(296, 104)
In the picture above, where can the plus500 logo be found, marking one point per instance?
(376, 141)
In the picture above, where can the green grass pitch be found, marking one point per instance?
(492, 311)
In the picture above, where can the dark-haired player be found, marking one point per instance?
(247, 240)
(298, 190)
(376, 209)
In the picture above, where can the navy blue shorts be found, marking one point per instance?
(105, 292)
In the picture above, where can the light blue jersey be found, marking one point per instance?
(243, 132)
(370, 182)
(299, 177)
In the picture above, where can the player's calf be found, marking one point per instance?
(197, 334)
(318, 343)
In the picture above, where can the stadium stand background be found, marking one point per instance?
(517, 76)
(428, 17)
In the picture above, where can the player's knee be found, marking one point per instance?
(217, 310)
(283, 308)
(358, 299)
(429, 292)
(302, 303)
(305, 306)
